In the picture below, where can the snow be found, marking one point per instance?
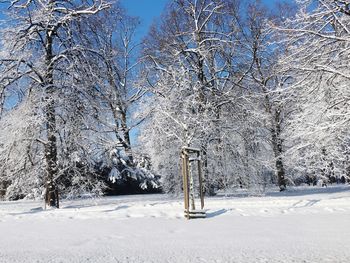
(300, 225)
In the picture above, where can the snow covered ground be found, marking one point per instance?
(301, 225)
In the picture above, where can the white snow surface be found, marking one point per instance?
(300, 225)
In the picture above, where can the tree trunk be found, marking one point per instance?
(278, 150)
(126, 135)
(51, 197)
(277, 142)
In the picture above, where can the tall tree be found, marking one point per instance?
(116, 93)
(196, 69)
(38, 51)
(318, 39)
(270, 80)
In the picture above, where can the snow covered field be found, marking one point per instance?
(301, 225)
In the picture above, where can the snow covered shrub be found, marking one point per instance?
(22, 165)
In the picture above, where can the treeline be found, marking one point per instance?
(264, 94)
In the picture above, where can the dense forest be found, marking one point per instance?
(88, 109)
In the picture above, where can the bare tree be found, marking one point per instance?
(318, 39)
(270, 80)
(197, 67)
(37, 45)
(116, 94)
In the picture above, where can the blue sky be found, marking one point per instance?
(149, 10)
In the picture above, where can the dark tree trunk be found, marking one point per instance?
(278, 150)
(51, 197)
(120, 120)
(51, 155)
(276, 140)
(126, 135)
(209, 188)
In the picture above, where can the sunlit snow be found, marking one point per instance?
(301, 225)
